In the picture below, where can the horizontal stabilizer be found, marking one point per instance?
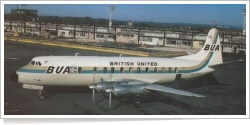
(224, 63)
(191, 53)
(171, 90)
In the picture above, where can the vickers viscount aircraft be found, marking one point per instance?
(120, 75)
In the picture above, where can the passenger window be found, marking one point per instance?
(95, 70)
(169, 70)
(163, 70)
(105, 70)
(112, 70)
(32, 63)
(122, 70)
(146, 69)
(176, 70)
(131, 70)
(155, 69)
(138, 70)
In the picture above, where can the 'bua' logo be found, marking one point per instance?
(212, 47)
(62, 70)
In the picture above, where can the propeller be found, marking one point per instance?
(93, 87)
(110, 95)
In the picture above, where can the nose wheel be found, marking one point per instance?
(43, 95)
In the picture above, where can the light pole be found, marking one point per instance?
(111, 8)
(244, 21)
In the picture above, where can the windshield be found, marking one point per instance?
(35, 63)
(32, 62)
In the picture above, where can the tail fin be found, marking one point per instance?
(212, 44)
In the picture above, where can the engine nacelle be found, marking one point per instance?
(103, 86)
(122, 90)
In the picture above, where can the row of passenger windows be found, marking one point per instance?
(137, 70)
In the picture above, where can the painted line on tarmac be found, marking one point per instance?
(82, 47)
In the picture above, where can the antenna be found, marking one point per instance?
(111, 8)
(77, 54)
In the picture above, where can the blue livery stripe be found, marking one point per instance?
(31, 70)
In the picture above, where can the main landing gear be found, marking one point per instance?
(43, 95)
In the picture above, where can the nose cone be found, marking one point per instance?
(14, 77)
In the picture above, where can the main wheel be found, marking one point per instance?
(39, 93)
(43, 95)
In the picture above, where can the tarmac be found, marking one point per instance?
(225, 91)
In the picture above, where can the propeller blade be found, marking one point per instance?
(110, 96)
(93, 98)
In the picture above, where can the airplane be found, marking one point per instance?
(120, 76)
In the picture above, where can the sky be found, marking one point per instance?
(222, 14)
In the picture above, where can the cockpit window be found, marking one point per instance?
(32, 62)
(39, 63)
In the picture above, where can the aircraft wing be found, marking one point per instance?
(171, 90)
(139, 79)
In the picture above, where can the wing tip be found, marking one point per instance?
(199, 96)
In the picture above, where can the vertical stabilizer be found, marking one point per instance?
(212, 45)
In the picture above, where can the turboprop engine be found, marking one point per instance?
(103, 86)
(120, 88)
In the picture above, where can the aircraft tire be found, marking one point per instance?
(39, 93)
(43, 95)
